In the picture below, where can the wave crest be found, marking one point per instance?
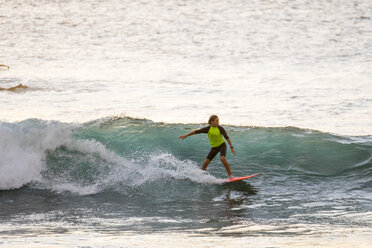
(125, 154)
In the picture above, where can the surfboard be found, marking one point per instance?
(234, 179)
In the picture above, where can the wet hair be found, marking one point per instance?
(212, 118)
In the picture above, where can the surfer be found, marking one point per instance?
(218, 145)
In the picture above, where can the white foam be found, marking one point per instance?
(124, 174)
(22, 150)
(76, 188)
(168, 165)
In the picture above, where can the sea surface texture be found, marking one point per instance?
(94, 94)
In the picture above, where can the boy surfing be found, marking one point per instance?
(218, 145)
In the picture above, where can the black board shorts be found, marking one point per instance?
(215, 150)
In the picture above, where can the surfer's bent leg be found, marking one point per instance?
(205, 164)
(224, 161)
(213, 152)
(227, 166)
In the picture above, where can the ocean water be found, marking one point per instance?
(93, 95)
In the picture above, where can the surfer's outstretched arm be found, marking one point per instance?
(187, 135)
